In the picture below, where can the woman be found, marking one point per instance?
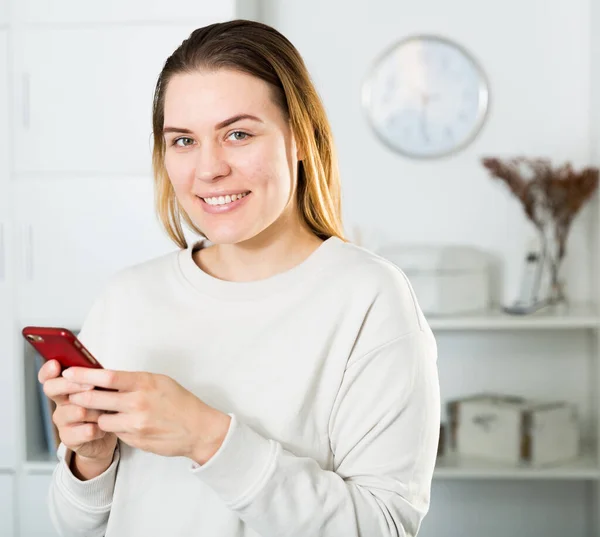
(270, 378)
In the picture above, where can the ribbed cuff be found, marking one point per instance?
(241, 466)
(94, 494)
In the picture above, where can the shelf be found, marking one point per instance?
(448, 467)
(575, 317)
(453, 466)
(42, 464)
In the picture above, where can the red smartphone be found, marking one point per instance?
(59, 344)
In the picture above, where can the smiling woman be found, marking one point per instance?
(285, 380)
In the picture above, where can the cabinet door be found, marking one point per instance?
(83, 97)
(75, 233)
(4, 14)
(7, 513)
(8, 378)
(7, 358)
(34, 515)
(75, 11)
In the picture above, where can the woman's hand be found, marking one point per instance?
(151, 412)
(77, 426)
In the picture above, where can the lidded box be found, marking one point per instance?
(447, 280)
(514, 429)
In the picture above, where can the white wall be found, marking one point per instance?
(536, 54)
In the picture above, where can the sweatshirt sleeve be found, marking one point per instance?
(81, 508)
(384, 431)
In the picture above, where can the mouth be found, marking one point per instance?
(219, 201)
(223, 204)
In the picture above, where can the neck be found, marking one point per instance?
(261, 257)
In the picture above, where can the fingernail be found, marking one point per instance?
(67, 373)
(87, 386)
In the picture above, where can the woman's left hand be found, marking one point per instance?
(152, 412)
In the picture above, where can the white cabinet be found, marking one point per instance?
(74, 233)
(83, 97)
(75, 11)
(34, 515)
(7, 505)
(7, 362)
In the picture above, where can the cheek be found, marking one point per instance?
(268, 172)
(179, 171)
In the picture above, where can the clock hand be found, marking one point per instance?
(424, 125)
(424, 103)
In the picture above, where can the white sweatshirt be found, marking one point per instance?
(329, 374)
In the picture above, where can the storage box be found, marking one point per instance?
(514, 430)
(447, 280)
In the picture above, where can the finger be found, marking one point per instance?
(102, 400)
(115, 423)
(59, 387)
(68, 415)
(49, 370)
(82, 433)
(126, 381)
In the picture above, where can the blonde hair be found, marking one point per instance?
(259, 50)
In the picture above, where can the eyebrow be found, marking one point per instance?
(221, 125)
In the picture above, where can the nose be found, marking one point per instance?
(211, 163)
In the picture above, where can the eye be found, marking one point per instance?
(240, 136)
(183, 139)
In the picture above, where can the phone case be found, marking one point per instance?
(59, 344)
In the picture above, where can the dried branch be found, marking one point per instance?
(509, 172)
(551, 197)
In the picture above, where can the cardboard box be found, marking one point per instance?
(514, 430)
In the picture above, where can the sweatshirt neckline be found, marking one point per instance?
(224, 289)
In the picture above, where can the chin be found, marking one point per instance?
(216, 236)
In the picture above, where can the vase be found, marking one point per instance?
(557, 296)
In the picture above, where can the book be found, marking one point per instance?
(47, 407)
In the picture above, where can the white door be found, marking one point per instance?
(200, 12)
(83, 97)
(34, 515)
(8, 396)
(7, 503)
(74, 234)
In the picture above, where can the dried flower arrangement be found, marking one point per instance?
(551, 198)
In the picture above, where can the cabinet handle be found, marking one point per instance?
(2, 254)
(26, 93)
(28, 253)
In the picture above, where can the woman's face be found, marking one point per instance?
(230, 154)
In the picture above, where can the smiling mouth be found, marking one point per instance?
(224, 200)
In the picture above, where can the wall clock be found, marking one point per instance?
(426, 97)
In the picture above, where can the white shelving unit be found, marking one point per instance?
(578, 323)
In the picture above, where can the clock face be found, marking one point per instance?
(426, 97)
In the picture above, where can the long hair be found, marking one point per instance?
(259, 50)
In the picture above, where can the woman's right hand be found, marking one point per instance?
(77, 426)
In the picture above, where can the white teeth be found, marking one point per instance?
(223, 200)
